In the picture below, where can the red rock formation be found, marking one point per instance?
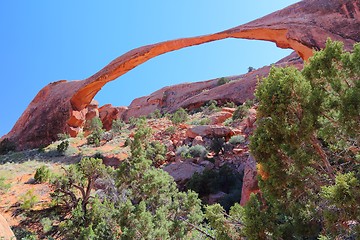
(109, 113)
(5, 230)
(210, 131)
(303, 26)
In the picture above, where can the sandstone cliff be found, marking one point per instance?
(304, 26)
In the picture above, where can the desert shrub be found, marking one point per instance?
(240, 112)
(156, 152)
(62, 147)
(230, 105)
(93, 124)
(237, 139)
(179, 116)
(4, 187)
(42, 174)
(183, 151)
(250, 69)
(63, 136)
(98, 155)
(217, 145)
(170, 130)
(6, 146)
(107, 136)
(223, 81)
(95, 137)
(155, 114)
(198, 151)
(202, 121)
(117, 126)
(46, 223)
(28, 200)
(228, 122)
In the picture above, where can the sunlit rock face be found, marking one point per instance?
(62, 106)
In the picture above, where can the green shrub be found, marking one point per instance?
(198, 151)
(202, 121)
(46, 223)
(183, 151)
(223, 81)
(170, 130)
(217, 145)
(93, 124)
(250, 69)
(237, 139)
(28, 200)
(156, 152)
(4, 187)
(179, 116)
(6, 146)
(240, 112)
(42, 174)
(62, 147)
(117, 126)
(63, 136)
(95, 137)
(230, 105)
(156, 114)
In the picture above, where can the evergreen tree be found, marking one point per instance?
(308, 135)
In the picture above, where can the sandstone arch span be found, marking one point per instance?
(304, 26)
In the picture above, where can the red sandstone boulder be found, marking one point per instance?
(5, 230)
(109, 113)
(220, 117)
(182, 171)
(210, 131)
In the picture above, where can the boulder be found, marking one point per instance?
(108, 113)
(182, 171)
(220, 117)
(210, 131)
(5, 231)
(216, 197)
(198, 140)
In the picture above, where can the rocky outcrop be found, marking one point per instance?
(304, 26)
(182, 171)
(108, 113)
(5, 231)
(210, 131)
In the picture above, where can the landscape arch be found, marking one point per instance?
(60, 106)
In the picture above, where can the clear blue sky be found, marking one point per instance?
(44, 41)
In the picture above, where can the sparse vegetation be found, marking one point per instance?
(42, 174)
(179, 116)
(117, 126)
(4, 187)
(223, 81)
(28, 200)
(237, 139)
(62, 147)
(217, 145)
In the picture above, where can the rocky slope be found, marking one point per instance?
(62, 106)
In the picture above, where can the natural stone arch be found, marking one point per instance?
(61, 106)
